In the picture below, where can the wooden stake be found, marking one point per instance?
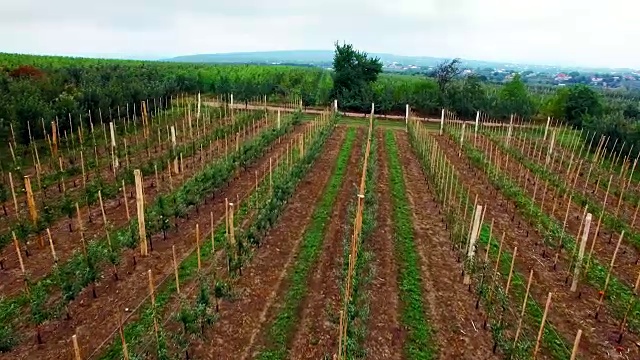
(140, 208)
(544, 319)
(472, 241)
(30, 200)
(125, 351)
(15, 201)
(513, 261)
(576, 343)
(17, 246)
(198, 246)
(606, 282)
(583, 244)
(175, 269)
(126, 203)
(524, 307)
(76, 348)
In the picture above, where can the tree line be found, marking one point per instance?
(48, 87)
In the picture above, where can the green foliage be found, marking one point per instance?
(354, 71)
(619, 295)
(281, 329)
(581, 101)
(358, 307)
(136, 331)
(515, 99)
(419, 343)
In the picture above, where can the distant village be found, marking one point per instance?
(540, 75)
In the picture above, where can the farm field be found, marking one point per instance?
(271, 233)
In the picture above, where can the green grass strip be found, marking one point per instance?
(419, 343)
(358, 306)
(280, 331)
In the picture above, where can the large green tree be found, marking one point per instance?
(515, 99)
(354, 72)
(581, 101)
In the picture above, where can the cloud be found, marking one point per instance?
(569, 32)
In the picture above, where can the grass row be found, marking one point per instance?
(282, 327)
(419, 342)
(358, 306)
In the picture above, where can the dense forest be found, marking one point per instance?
(47, 87)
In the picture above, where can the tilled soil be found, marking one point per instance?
(241, 322)
(40, 261)
(568, 312)
(316, 335)
(94, 320)
(626, 267)
(73, 184)
(457, 324)
(385, 335)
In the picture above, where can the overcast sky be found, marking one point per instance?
(564, 32)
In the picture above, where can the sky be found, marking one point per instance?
(555, 32)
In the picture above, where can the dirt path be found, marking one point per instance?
(384, 333)
(569, 313)
(93, 320)
(315, 336)
(39, 263)
(457, 323)
(242, 320)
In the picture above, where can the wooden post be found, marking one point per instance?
(576, 343)
(175, 269)
(76, 348)
(53, 250)
(524, 307)
(125, 350)
(84, 176)
(513, 262)
(15, 201)
(544, 319)
(583, 244)
(140, 208)
(174, 145)
(232, 239)
(546, 129)
(30, 200)
(126, 203)
(198, 246)
(442, 122)
(81, 230)
(54, 135)
(17, 246)
(606, 282)
(472, 241)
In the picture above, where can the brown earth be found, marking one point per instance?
(39, 263)
(385, 335)
(94, 320)
(458, 326)
(626, 267)
(316, 333)
(241, 321)
(569, 312)
(73, 183)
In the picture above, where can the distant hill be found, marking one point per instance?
(324, 58)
